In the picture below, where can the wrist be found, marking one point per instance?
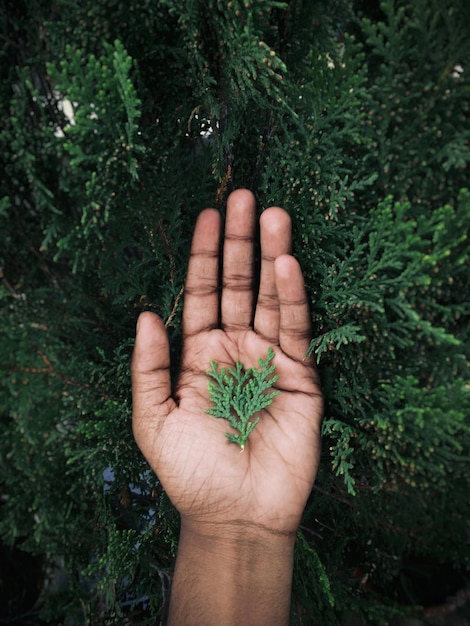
(236, 546)
(243, 572)
(242, 533)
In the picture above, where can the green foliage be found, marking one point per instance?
(238, 394)
(118, 124)
(110, 117)
(309, 565)
(418, 103)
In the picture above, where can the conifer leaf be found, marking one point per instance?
(348, 333)
(238, 394)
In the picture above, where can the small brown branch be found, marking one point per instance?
(166, 242)
(8, 285)
(49, 370)
(175, 307)
(224, 187)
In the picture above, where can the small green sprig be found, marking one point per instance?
(238, 394)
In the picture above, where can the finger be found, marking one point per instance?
(237, 279)
(201, 293)
(275, 226)
(294, 324)
(150, 371)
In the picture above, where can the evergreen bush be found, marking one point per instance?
(120, 121)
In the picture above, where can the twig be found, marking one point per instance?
(175, 307)
(167, 245)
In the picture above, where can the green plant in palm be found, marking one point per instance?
(239, 393)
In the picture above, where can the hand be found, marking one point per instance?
(207, 478)
(239, 510)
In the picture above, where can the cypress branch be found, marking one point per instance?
(238, 394)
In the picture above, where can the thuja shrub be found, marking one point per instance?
(119, 123)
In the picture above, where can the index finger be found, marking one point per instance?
(201, 292)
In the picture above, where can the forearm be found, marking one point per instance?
(240, 576)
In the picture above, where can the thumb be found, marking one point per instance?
(150, 372)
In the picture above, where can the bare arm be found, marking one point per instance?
(237, 576)
(239, 511)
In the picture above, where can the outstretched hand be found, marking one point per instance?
(207, 478)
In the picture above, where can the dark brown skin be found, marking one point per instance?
(239, 510)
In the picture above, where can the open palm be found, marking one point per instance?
(207, 478)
